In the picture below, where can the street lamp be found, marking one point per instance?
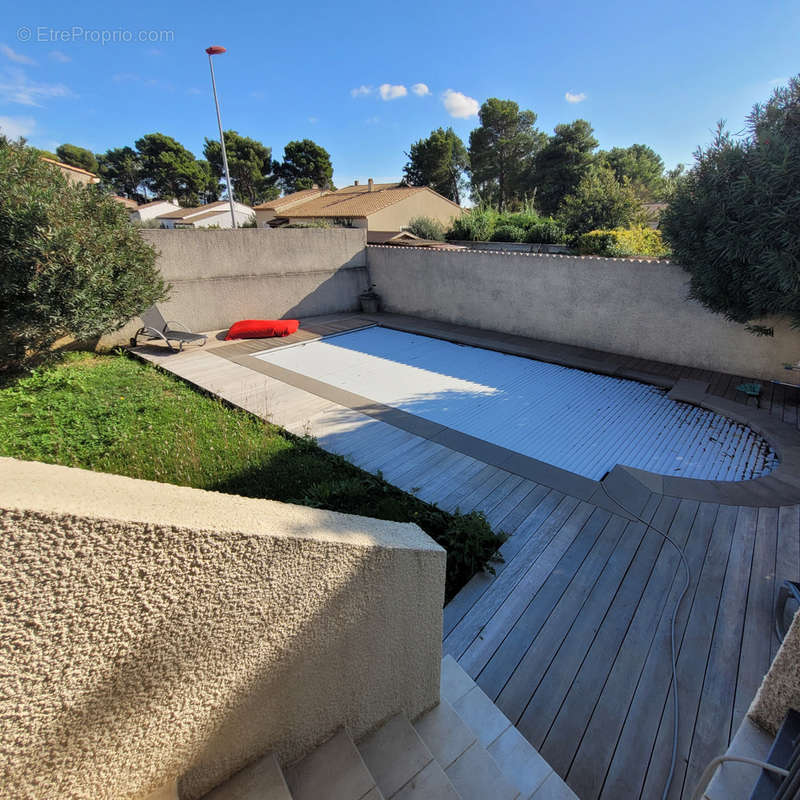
(214, 51)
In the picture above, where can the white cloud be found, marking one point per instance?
(62, 58)
(460, 105)
(14, 127)
(13, 55)
(420, 89)
(16, 88)
(360, 91)
(388, 91)
(575, 97)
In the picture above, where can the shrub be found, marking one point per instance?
(508, 233)
(600, 202)
(426, 228)
(733, 222)
(546, 231)
(70, 261)
(475, 225)
(623, 242)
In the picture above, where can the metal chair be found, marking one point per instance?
(156, 327)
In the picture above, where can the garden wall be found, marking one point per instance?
(150, 631)
(625, 306)
(220, 276)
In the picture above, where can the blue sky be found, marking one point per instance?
(657, 73)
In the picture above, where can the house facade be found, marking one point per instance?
(147, 211)
(73, 174)
(211, 215)
(374, 206)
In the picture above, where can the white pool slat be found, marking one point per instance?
(576, 420)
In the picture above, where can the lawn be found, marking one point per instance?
(110, 413)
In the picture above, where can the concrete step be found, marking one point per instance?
(403, 767)
(261, 780)
(495, 759)
(334, 771)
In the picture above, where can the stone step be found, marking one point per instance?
(261, 780)
(334, 771)
(498, 748)
(403, 767)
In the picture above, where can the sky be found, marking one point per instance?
(366, 80)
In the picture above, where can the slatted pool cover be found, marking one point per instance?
(576, 420)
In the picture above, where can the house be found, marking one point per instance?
(374, 206)
(73, 174)
(211, 215)
(153, 209)
(130, 205)
(653, 212)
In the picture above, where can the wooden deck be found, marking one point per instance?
(570, 637)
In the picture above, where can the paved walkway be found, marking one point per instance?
(570, 636)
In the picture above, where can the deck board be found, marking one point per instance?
(570, 635)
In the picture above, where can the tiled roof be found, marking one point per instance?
(289, 199)
(155, 203)
(69, 167)
(131, 205)
(180, 213)
(217, 212)
(355, 201)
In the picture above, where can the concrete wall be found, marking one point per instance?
(624, 306)
(780, 689)
(149, 631)
(219, 277)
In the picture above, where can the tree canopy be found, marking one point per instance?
(641, 165)
(77, 157)
(170, 170)
(305, 164)
(250, 164)
(440, 161)
(733, 222)
(121, 170)
(501, 151)
(561, 163)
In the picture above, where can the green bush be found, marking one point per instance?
(734, 221)
(475, 225)
(600, 202)
(70, 261)
(623, 243)
(508, 233)
(426, 228)
(546, 231)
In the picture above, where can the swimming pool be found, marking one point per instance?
(576, 420)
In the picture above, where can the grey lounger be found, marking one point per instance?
(156, 327)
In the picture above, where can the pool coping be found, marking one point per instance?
(624, 489)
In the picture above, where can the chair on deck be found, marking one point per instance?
(156, 327)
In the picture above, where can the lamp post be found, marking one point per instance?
(214, 51)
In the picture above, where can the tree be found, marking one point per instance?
(641, 165)
(734, 224)
(501, 151)
(426, 228)
(440, 162)
(250, 165)
(77, 157)
(599, 202)
(305, 164)
(561, 164)
(170, 170)
(672, 179)
(70, 262)
(121, 169)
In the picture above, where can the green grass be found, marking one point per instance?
(115, 414)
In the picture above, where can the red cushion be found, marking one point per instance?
(262, 328)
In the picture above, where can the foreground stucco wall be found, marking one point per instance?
(636, 308)
(221, 276)
(150, 631)
(780, 689)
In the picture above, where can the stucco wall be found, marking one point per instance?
(780, 689)
(149, 631)
(623, 306)
(220, 276)
(421, 204)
